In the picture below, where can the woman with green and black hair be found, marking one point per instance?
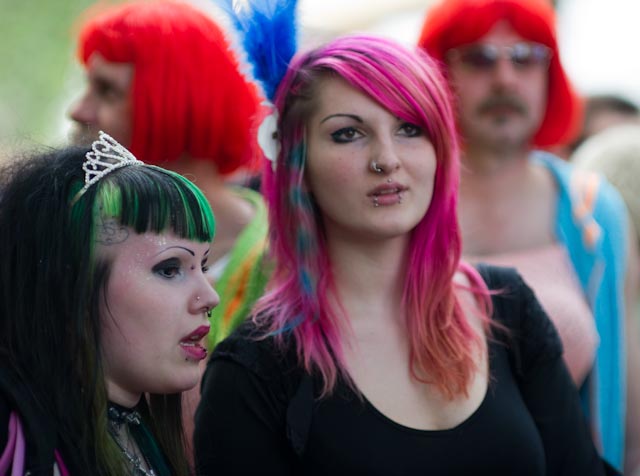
(104, 300)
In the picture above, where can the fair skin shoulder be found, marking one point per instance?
(154, 312)
(519, 200)
(368, 217)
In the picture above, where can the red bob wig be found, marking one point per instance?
(188, 96)
(452, 23)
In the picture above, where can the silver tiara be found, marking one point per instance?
(105, 156)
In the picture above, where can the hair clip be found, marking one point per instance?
(105, 156)
(268, 135)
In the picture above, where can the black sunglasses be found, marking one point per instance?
(484, 56)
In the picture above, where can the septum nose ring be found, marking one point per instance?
(208, 310)
(375, 167)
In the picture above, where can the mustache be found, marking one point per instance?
(502, 101)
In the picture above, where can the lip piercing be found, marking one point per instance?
(389, 180)
(375, 201)
(375, 167)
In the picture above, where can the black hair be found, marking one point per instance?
(51, 286)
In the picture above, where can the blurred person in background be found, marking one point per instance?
(528, 209)
(603, 111)
(615, 153)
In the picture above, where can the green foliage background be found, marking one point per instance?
(39, 75)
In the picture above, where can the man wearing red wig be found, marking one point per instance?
(162, 81)
(567, 232)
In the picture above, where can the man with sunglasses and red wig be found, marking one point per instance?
(566, 232)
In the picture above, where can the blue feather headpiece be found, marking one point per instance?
(268, 36)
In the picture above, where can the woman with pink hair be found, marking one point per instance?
(375, 350)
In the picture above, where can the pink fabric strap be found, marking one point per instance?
(61, 466)
(13, 454)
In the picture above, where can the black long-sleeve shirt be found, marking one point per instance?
(259, 413)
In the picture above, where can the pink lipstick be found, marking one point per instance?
(387, 194)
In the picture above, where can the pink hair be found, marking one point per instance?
(410, 86)
(452, 23)
(188, 95)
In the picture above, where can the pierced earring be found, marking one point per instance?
(375, 167)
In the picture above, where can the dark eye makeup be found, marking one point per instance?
(345, 134)
(168, 268)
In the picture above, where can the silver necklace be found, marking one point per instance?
(116, 419)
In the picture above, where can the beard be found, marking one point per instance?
(501, 127)
(82, 135)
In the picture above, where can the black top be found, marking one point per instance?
(258, 414)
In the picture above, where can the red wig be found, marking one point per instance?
(457, 22)
(188, 95)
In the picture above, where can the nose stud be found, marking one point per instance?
(375, 167)
(197, 298)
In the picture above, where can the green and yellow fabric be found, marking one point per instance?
(245, 275)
